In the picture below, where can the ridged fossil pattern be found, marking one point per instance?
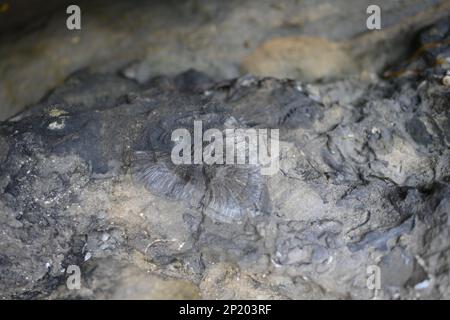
(229, 193)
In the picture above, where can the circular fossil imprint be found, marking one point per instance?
(224, 192)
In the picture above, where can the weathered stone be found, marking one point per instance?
(363, 181)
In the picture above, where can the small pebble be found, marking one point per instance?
(446, 80)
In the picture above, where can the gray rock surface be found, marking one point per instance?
(363, 180)
(307, 40)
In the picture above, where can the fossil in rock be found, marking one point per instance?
(226, 193)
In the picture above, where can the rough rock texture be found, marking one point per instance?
(305, 39)
(363, 180)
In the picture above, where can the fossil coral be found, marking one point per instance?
(226, 193)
